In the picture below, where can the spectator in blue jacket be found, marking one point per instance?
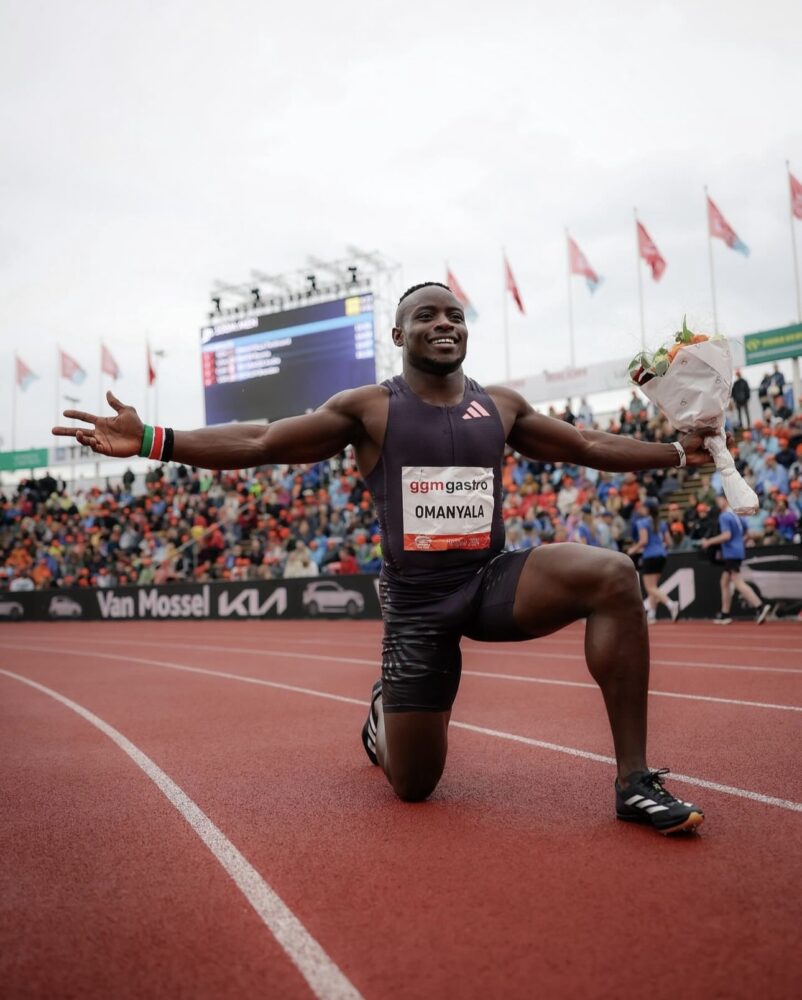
(731, 531)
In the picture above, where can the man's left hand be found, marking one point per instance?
(694, 444)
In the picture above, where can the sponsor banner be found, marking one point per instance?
(446, 507)
(316, 597)
(33, 458)
(775, 572)
(773, 345)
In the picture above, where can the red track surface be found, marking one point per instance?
(514, 880)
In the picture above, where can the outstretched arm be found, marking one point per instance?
(547, 439)
(312, 437)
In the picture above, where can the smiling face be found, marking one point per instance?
(430, 327)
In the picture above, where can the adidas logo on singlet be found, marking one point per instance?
(475, 410)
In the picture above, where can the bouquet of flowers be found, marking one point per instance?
(690, 381)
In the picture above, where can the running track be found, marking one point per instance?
(187, 811)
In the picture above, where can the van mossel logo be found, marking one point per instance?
(150, 602)
(474, 411)
(423, 542)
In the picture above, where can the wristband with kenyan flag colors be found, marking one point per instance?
(157, 443)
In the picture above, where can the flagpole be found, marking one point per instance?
(640, 283)
(147, 379)
(99, 400)
(506, 317)
(793, 245)
(794, 361)
(710, 258)
(14, 405)
(58, 383)
(570, 302)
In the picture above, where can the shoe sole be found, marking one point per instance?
(764, 614)
(722, 621)
(690, 823)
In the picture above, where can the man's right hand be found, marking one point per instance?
(117, 437)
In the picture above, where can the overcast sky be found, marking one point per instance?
(151, 148)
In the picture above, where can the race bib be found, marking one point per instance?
(446, 508)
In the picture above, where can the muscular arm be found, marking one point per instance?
(550, 440)
(351, 417)
(312, 437)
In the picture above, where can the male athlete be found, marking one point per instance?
(429, 444)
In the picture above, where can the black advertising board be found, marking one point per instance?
(774, 572)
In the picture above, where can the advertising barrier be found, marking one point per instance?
(316, 597)
(775, 572)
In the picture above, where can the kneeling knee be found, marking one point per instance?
(414, 787)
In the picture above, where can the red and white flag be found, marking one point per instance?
(459, 294)
(70, 368)
(721, 229)
(107, 363)
(796, 195)
(650, 253)
(579, 264)
(512, 288)
(151, 368)
(24, 374)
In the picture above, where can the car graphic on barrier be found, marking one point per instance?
(11, 609)
(326, 596)
(64, 607)
(777, 577)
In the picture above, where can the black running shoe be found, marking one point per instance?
(762, 613)
(722, 619)
(645, 800)
(371, 724)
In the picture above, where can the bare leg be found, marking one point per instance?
(411, 747)
(562, 583)
(656, 596)
(726, 593)
(745, 590)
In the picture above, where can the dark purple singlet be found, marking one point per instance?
(437, 490)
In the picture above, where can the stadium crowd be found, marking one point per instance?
(190, 524)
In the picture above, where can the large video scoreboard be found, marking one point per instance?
(282, 364)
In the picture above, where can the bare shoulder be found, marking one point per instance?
(509, 403)
(358, 403)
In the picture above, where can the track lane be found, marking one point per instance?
(505, 874)
(107, 891)
(683, 734)
(708, 679)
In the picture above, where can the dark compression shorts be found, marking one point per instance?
(421, 659)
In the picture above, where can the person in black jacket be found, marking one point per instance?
(740, 396)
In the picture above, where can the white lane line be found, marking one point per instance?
(743, 793)
(291, 654)
(472, 650)
(657, 642)
(322, 975)
(496, 733)
(656, 694)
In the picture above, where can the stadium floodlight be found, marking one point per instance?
(353, 272)
(216, 304)
(257, 298)
(312, 279)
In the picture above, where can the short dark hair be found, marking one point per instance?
(415, 288)
(423, 284)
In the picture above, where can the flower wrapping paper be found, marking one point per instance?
(695, 391)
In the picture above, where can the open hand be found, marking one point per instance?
(117, 437)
